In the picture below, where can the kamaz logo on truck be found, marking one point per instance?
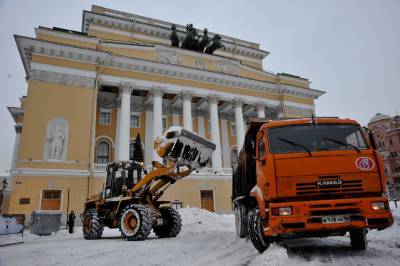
(334, 182)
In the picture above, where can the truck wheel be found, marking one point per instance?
(358, 239)
(172, 223)
(92, 226)
(240, 220)
(255, 230)
(135, 222)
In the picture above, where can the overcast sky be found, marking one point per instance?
(348, 48)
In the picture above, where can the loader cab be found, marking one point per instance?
(121, 175)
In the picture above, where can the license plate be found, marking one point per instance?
(335, 219)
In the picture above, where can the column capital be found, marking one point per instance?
(237, 102)
(176, 110)
(213, 99)
(186, 95)
(127, 87)
(260, 105)
(18, 129)
(148, 107)
(156, 91)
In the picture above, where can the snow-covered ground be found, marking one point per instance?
(206, 239)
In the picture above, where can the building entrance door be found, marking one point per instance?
(207, 200)
(51, 200)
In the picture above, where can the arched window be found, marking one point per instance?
(102, 155)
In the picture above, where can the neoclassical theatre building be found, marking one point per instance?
(91, 92)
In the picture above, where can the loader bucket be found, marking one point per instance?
(187, 148)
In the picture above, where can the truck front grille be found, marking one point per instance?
(311, 188)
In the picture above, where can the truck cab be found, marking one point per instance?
(309, 177)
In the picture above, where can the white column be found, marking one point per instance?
(239, 124)
(117, 134)
(124, 121)
(175, 117)
(187, 111)
(18, 130)
(148, 145)
(215, 136)
(200, 125)
(157, 118)
(226, 150)
(260, 110)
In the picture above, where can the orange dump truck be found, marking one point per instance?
(311, 177)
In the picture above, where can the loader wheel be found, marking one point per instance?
(172, 223)
(255, 230)
(240, 220)
(92, 226)
(358, 239)
(135, 222)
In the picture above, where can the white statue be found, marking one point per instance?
(56, 138)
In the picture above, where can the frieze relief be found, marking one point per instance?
(169, 57)
(61, 78)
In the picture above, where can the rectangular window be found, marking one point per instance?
(135, 120)
(51, 200)
(105, 117)
(164, 123)
(233, 129)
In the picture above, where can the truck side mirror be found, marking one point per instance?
(372, 140)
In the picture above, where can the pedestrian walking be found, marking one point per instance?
(71, 222)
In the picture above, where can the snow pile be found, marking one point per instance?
(206, 239)
(198, 221)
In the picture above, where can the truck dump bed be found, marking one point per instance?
(244, 169)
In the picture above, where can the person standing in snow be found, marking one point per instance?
(71, 221)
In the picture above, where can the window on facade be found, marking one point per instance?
(135, 120)
(233, 129)
(164, 123)
(395, 154)
(390, 141)
(105, 118)
(51, 200)
(102, 154)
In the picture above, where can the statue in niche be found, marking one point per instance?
(215, 44)
(174, 36)
(56, 138)
(205, 40)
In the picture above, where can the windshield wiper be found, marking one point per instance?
(297, 145)
(342, 143)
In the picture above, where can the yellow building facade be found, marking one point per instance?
(90, 93)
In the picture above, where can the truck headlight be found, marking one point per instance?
(378, 205)
(285, 211)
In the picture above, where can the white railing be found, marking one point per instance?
(100, 167)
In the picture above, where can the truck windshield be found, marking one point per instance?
(320, 137)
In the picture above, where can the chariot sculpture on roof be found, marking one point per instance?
(192, 40)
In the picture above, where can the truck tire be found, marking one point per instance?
(240, 220)
(135, 222)
(172, 223)
(358, 239)
(92, 225)
(255, 230)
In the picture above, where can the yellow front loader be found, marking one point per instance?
(131, 203)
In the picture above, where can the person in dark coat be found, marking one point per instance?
(71, 221)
